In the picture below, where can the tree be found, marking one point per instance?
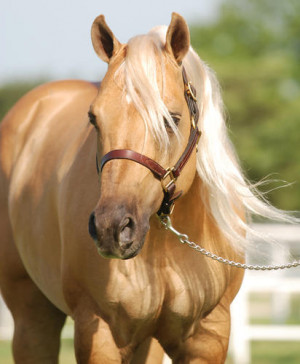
(254, 47)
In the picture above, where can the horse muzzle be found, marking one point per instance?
(117, 231)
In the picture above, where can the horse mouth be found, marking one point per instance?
(119, 253)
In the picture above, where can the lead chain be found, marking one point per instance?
(184, 239)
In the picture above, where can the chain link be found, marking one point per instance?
(184, 239)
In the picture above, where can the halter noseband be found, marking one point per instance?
(168, 176)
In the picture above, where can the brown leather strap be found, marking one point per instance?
(193, 141)
(190, 95)
(157, 170)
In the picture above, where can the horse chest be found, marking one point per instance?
(134, 291)
(188, 295)
(148, 294)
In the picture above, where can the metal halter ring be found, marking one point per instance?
(172, 179)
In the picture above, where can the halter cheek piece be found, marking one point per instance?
(168, 176)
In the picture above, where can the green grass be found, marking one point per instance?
(266, 352)
(5, 353)
(66, 355)
(263, 352)
(275, 352)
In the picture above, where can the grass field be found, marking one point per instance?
(262, 353)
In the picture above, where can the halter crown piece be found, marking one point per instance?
(168, 176)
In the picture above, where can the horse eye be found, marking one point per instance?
(92, 118)
(176, 119)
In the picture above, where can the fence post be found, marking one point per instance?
(6, 322)
(239, 342)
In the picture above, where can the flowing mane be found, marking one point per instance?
(226, 192)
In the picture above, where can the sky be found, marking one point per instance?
(42, 39)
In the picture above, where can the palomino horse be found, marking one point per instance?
(166, 298)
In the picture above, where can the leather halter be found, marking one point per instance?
(168, 176)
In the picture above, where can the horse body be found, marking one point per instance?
(50, 268)
(31, 137)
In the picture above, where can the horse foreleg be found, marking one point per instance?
(38, 322)
(149, 352)
(94, 343)
(209, 343)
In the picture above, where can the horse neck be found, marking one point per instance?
(191, 216)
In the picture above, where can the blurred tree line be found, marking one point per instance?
(254, 47)
(10, 93)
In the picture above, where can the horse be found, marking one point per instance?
(87, 242)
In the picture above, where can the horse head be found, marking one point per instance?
(141, 109)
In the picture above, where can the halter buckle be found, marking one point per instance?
(193, 122)
(165, 185)
(190, 92)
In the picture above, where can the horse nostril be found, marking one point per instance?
(92, 226)
(126, 232)
(126, 223)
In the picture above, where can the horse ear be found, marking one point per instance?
(178, 38)
(104, 42)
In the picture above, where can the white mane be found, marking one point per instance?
(228, 193)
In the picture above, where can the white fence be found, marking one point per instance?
(279, 284)
(6, 322)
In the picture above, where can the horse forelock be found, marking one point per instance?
(142, 73)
